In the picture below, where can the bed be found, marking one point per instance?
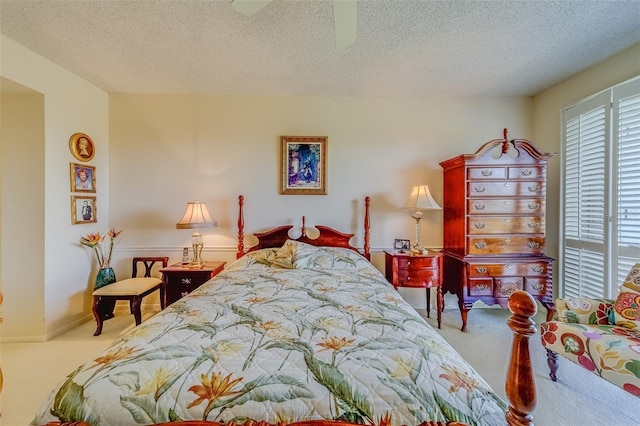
(297, 331)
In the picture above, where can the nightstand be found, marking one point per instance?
(179, 280)
(406, 269)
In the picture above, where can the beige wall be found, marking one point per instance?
(70, 105)
(167, 150)
(22, 211)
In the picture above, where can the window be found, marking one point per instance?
(600, 237)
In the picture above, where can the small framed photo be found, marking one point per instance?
(83, 178)
(82, 147)
(303, 165)
(83, 210)
(401, 244)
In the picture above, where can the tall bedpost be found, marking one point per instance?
(240, 227)
(521, 386)
(367, 246)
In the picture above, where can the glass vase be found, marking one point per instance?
(104, 277)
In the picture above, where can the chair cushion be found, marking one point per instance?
(583, 310)
(128, 287)
(609, 351)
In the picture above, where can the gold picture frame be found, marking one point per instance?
(303, 165)
(82, 147)
(83, 178)
(83, 210)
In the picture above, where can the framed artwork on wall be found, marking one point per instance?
(83, 210)
(83, 178)
(82, 147)
(303, 165)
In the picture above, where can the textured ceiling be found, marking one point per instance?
(403, 48)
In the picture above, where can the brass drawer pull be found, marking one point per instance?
(534, 188)
(533, 244)
(508, 266)
(479, 206)
(507, 202)
(533, 225)
(537, 287)
(487, 172)
(481, 269)
(537, 268)
(507, 184)
(480, 189)
(507, 240)
(480, 245)
(507, 219)
(533, 206)
(186, 280)
(527, 172)
(479, 225)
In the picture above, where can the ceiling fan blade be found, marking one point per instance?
(249, 7)
(345, 16)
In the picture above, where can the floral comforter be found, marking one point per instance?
(282, 335)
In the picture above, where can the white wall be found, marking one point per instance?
(70, 105)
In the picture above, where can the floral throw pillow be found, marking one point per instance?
(633, 279)
(627, 308)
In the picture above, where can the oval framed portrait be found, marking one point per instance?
(82, 147)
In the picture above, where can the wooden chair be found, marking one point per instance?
(132, 289)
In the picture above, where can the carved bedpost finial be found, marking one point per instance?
(304, 227)
(240, 226)
(367, 246)
(521, 386)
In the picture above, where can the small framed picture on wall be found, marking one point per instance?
(83, 210)
(83, 178)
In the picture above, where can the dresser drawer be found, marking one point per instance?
(507, 269)
(526, 172)
(418, 278)
(487, 173)
(480, 287)
(513, 206)
(506, 189)
(535, 285)
(504, 286)
(506, 245)
(417, 262)
(506, 225)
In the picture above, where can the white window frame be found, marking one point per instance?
(593, 259)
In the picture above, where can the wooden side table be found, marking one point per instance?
(406, 269)
(179, 280)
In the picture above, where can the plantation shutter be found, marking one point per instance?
(585, 223)
(626, 116)
(600, 226)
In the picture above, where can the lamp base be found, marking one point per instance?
(419, 250)
(197, 262)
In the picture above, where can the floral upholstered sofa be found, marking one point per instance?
(602, 335)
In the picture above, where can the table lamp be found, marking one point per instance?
(419, 200)
(196, 216)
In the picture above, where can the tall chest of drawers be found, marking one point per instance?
(494, 225)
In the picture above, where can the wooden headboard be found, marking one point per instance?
(328, 236)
